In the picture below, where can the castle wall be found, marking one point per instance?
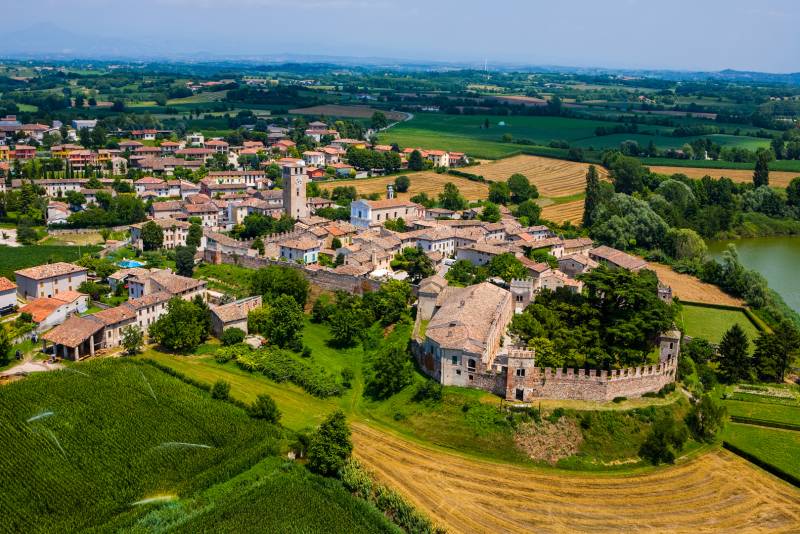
(591, 384)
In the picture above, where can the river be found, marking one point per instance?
(777, 258)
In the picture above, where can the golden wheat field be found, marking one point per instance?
(715, 492)
(776, 178)
(690, 289)
(427, 181)
(561, 213)
(553, 177)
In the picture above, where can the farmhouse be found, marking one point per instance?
(366, 213)
(49, 280)
(233, 315)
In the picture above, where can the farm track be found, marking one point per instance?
(714, 492)
(553, 177)
(776, 178)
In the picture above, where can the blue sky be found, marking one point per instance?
(679, 34)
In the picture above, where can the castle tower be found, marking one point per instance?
(669, 345)
(294, 189)
(522, 293)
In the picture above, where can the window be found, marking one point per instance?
(471, 364)
(519, 394)
(458, 372)
(521, 371)
(471, 377)
(455, 360)
(670, 344)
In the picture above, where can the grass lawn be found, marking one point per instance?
(226, 278)
(711, 323)
(777, 447)
(765, 411)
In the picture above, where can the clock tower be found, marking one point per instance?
(294, 189)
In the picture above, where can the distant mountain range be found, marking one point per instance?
(51, 42)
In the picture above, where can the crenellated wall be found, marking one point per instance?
(587, 384)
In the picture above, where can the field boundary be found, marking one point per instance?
(766, 466)
(753, 421)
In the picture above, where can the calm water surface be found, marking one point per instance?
(777, 258)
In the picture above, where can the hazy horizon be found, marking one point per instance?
(620, 34)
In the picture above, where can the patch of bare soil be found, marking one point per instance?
(549, 441)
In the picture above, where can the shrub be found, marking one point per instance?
(429, 390)
(264, 408)
(221, 390)
(347, 377)
(556, 414)
(665, 441)
(706, 419)
(232, 336)
(391, 371)
(619, 399)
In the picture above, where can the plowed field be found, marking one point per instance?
(553, 177)
(715, 492)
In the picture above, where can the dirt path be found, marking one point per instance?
(714, 492)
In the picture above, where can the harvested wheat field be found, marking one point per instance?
(553, 177)
(690, 289)
(716, 492)
(427, 181)
(776, 178)
(561, 213)
(353, 112)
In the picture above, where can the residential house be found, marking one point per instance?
(50, 279)
(301, 250)
(174, 231)
(366, 213)
(8, 295)
(233, 315)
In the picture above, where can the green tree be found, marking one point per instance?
(685, 243)
(506, 266)
(733, 358)
(415, 262)
(521, 188)
(499, 193)
(415, 161)
(132, 339)
(402, 183)
(273, 281)
(379, 121)
(775, 351)
(761, 173)
(627, 173)
(490, 213)
(346, 326)
(593, 196)
(330, 446)
(530, 210)
(450, 198)
(793, 193)
(232, 336)
(184, 261)
(182, 328)
(285, 322)
(257, 320)
(265, 408)
(706, 419)
(5, 344)
(152, 236)
(391, 371)
(195, 235)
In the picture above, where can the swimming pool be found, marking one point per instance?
(128, 264)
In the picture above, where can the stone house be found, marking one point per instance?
(233, 315)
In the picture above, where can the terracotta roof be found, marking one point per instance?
(6, 284)
(618, 258)
(164, 223)
(148, 300)
(50, 270)
(389, 203)
(41, 308)
(115, 315)
(300, 244)
(74, 331)
(169, 205)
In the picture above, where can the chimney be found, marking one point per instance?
(389, 191)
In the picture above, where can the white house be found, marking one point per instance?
(50, 279)
(366, 213)
(302, 250)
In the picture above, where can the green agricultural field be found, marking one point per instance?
(15, 258)
(712, 323)
(663, 142)
(113, 445)
(774, 446)
(466, 133)
(764, 411)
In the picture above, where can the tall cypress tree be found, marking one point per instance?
(761, 174)
(592, 200)
(734, 361)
